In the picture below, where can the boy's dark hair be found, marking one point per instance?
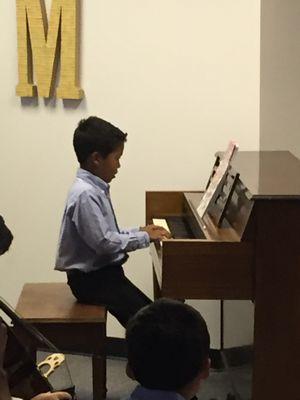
(95, 134)
(168, 344)
(6, 236)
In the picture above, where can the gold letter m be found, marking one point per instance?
(32, 27)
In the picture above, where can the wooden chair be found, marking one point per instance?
(69, 325)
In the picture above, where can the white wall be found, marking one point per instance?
(280, 83)
(181, 77)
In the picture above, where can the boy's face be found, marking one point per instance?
(107, 168)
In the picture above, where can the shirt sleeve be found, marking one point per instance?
(130, 230)
(91, 225)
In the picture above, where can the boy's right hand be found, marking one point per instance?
(156, 232)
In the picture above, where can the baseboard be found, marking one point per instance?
(235, 356)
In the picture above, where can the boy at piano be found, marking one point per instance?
(92, 248)
(168, 344)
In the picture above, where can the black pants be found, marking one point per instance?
(108, 286)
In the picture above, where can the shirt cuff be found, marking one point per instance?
(143, 238)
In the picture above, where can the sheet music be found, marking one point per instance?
(217, 179)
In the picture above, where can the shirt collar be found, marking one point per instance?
(95, 180)
(142, 393)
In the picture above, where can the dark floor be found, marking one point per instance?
(120, 386)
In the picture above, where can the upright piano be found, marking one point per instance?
(246, 246)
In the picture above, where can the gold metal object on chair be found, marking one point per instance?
(53, 361)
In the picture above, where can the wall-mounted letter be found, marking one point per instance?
(38, 45)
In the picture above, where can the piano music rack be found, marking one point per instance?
(223, 197)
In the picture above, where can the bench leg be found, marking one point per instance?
(99, 377)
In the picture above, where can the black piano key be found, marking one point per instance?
(179, 228)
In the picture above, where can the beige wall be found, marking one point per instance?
(280, 83)
(181, 77)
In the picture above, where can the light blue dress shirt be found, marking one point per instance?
(141, 393)
(90, 237)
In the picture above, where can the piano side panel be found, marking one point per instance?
(155, 252)
(204, 269)
(277, 301)
(156, 286)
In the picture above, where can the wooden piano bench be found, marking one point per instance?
(69, 325)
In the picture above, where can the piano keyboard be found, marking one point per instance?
(177, 226)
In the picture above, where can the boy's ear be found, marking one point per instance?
(193, 387)
(129, 372)
(96, 158)
(205, 371)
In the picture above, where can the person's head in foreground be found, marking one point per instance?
(168, 348)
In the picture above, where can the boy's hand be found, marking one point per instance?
(156, 232)
(53, 396)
